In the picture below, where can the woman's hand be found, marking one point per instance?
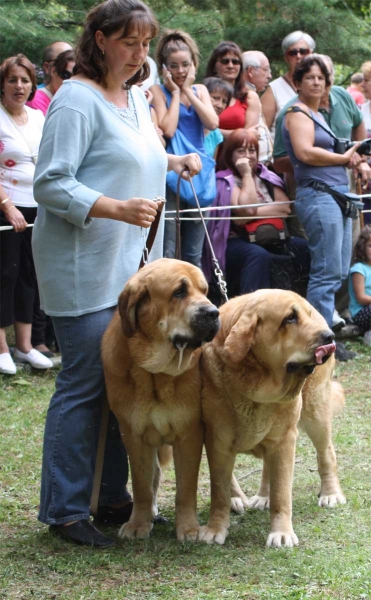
(348, 156)
(243, 166)
(168, 80)
(140, 211)
(192, 162)
(16, 219)
(191, 76)
(135, 211)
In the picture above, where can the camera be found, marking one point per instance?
(342, 145)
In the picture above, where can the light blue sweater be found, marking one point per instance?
(88, 150)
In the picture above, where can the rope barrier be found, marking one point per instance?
(216, 208)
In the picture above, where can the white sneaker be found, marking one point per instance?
(367, 338)
(7, 365)
(34, 357)
(337, 321)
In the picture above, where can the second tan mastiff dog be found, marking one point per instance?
(254, 370)
(151, 353)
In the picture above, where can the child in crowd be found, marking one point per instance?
(360, 285)
(221, 93)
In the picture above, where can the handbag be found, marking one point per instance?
(204, 182)
(264, 232)
(349, 204)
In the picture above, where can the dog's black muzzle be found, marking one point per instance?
(205, 325)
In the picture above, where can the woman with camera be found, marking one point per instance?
(310, 145)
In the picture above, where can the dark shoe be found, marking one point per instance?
(82, 533)
(160, 520)
(114, 516)
(342, 354)
(47, 353)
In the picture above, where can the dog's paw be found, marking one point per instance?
(238, 505)
(212, 535)
(187, 532)
(280, 539)
(331, 500)
(259, 503)
(135, 530)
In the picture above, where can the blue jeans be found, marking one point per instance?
(192, 233)
(330, 243)
(72, 427)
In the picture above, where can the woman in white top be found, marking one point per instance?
(295, 46)
(366, 112)
(20, 135)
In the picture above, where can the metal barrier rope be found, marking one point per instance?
(216, 208)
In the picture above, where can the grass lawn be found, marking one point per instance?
(332, 561)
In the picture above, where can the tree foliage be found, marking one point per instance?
(341, 28)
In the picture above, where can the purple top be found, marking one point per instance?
(304, 174)
(219, 230)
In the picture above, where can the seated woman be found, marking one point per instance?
(245, 181)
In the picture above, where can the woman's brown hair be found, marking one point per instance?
(219, 52)
(359, 252)
(174, 40)
(19, 61)
(110, 17)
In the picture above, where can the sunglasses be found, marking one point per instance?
(226, 61)
(301, 51)
(65, 75)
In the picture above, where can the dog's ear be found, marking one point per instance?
(133, 293)
(240, 338)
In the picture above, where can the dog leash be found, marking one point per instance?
(217, 270)
(102, 438)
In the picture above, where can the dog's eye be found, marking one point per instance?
(181, 292)
(292, 318)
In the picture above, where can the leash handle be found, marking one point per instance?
(152, 232)
(178, 239)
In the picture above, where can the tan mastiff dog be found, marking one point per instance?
(254, 370)
(151, 353)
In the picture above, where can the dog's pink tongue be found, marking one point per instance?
(324, 351)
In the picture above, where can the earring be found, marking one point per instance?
(102, 52)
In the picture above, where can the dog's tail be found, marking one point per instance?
(165, 455)
(337, 398)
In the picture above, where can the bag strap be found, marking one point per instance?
(99, 459)
(296, 109)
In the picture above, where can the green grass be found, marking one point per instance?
(332, 561)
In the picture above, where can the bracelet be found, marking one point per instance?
(4, 201)
(175, 92)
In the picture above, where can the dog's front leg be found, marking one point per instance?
(280, 460)
(221, 466)
(187, 456)
(143, 464)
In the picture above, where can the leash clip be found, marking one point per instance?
(145, 252)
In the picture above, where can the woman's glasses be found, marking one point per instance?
(226, 61)
(301, 51)
(176, 67)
